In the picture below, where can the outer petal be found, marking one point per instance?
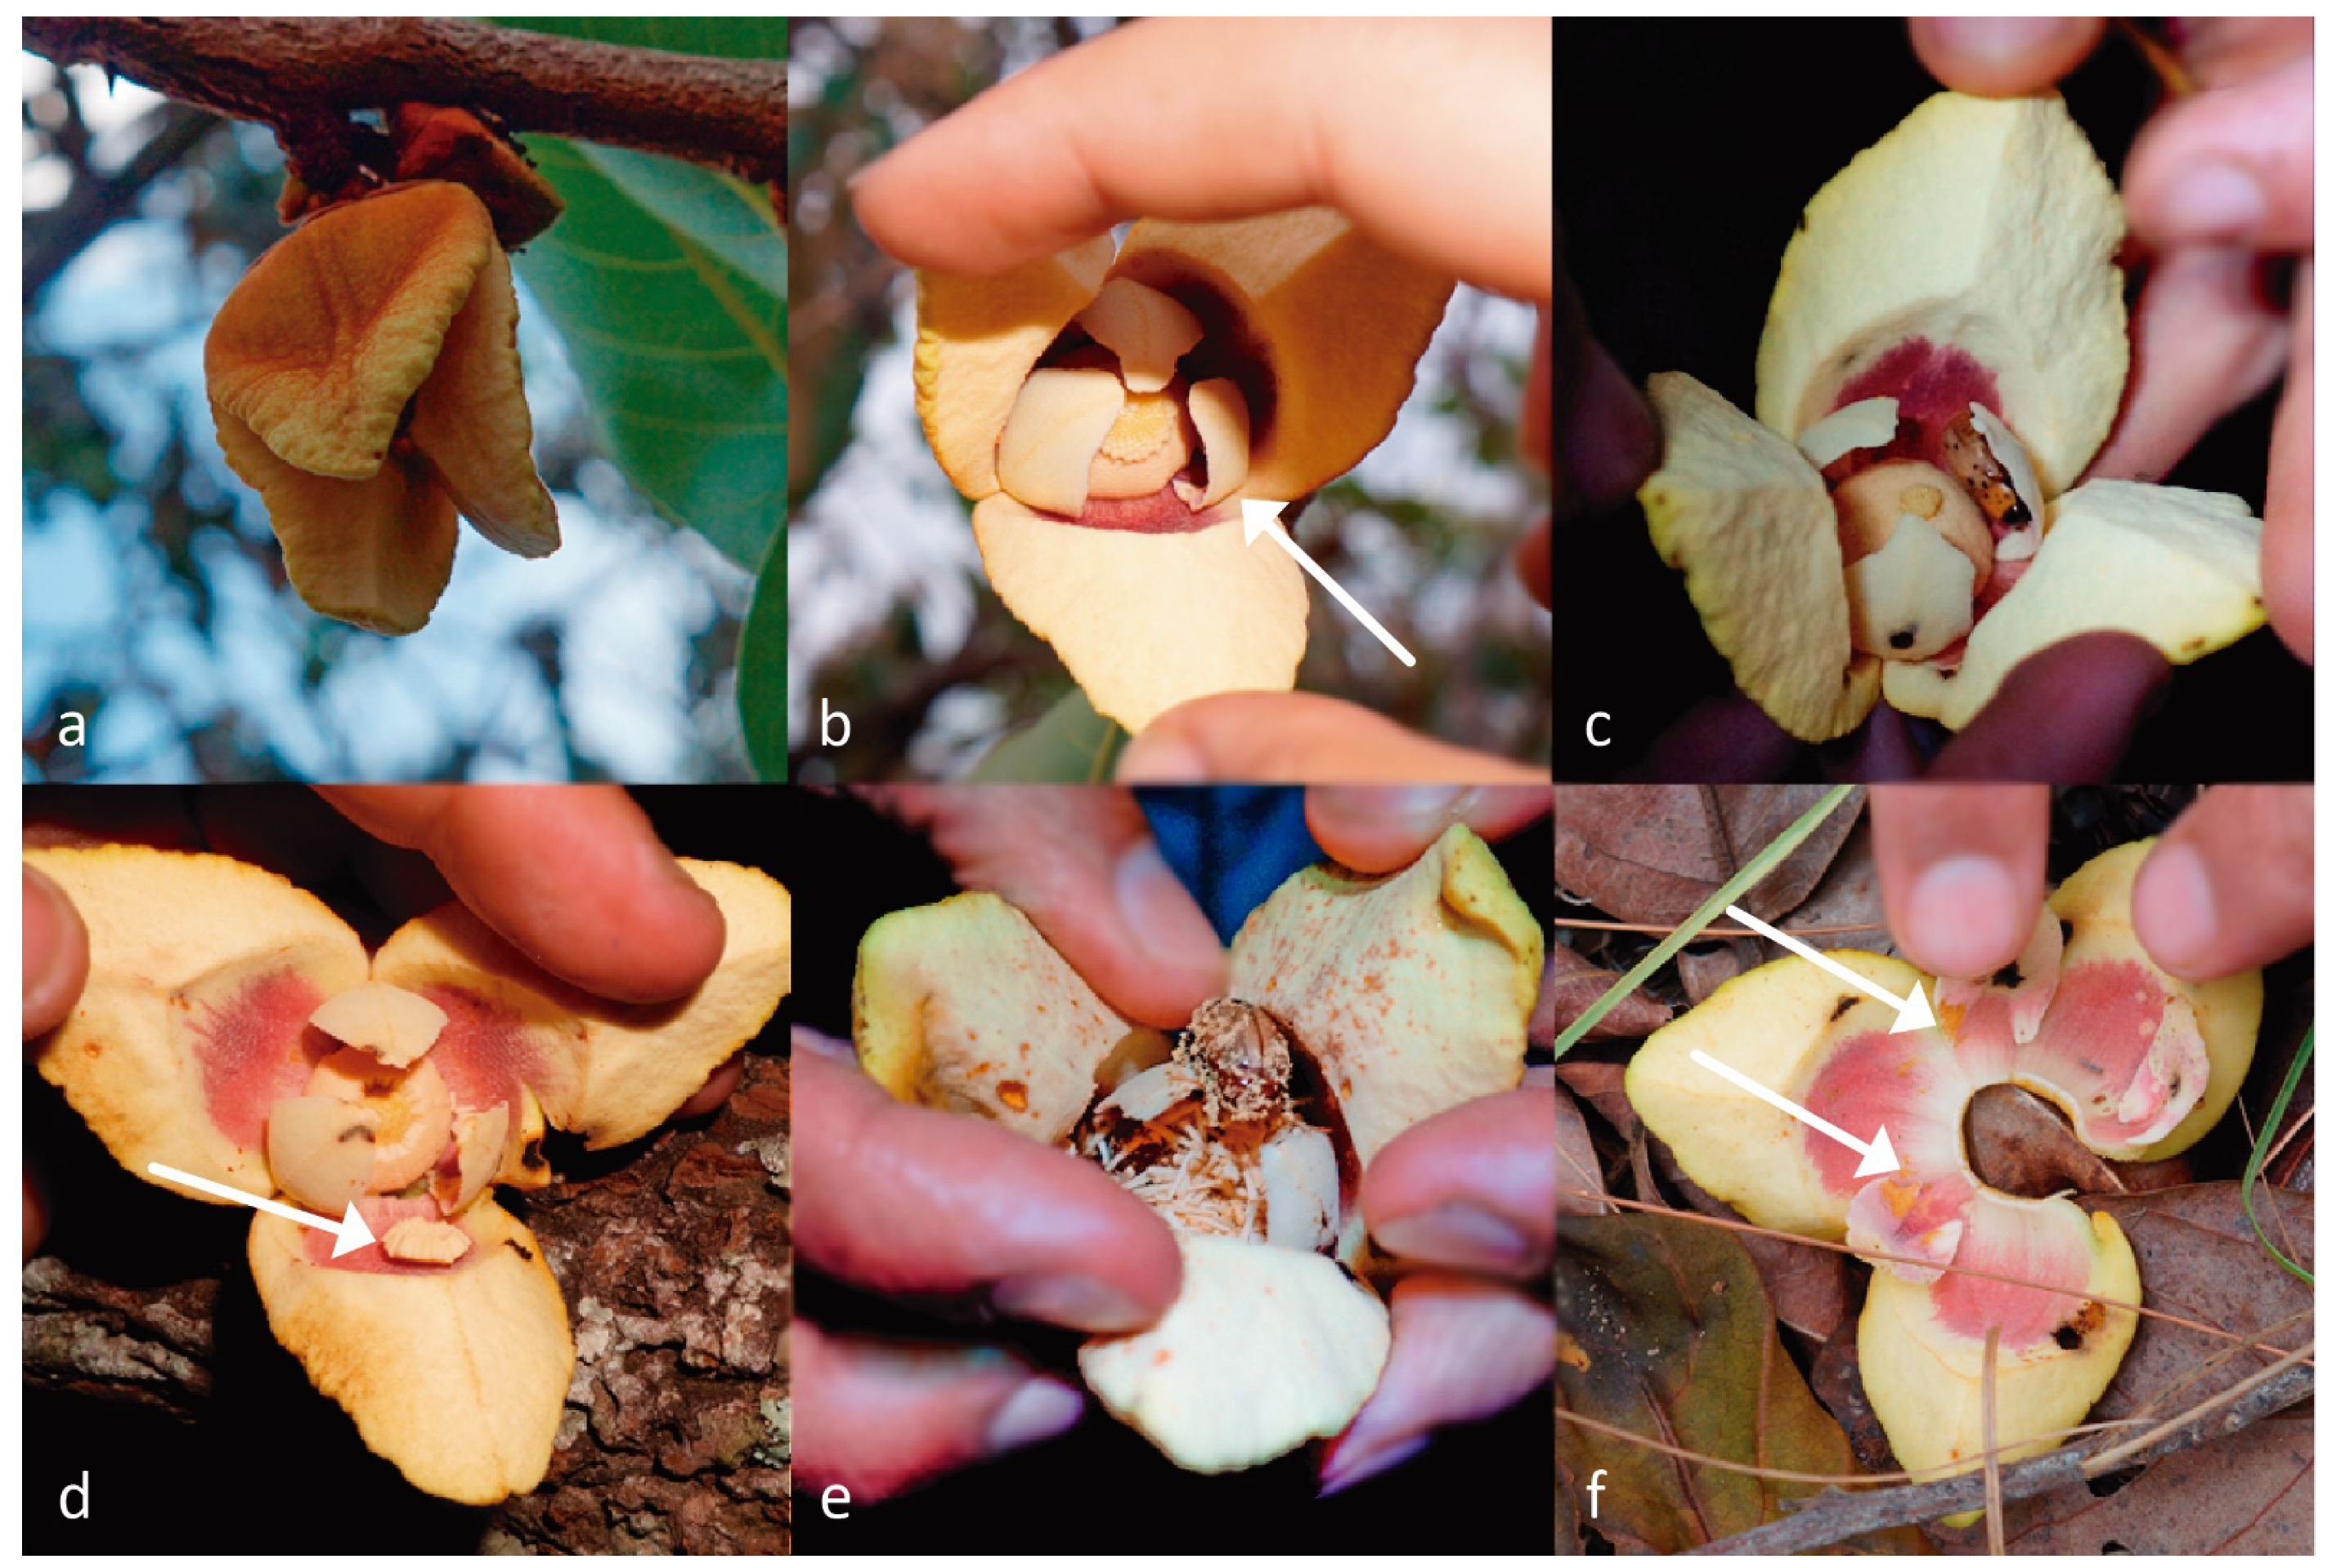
(456, 1375)
(374, 552)
(1776, 1024)
(1146, 620)
(1321, 327)
(203, 972)
(329, 335)
(1742, 513)
(1922, 1346)
(976, 340)
(1985, 224)
(470, 421)
(961, 1005)
(2095, 902)
(1412, 992)
(626, 1068)
(1265, 1349)
(2179, 568)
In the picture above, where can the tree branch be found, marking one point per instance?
(304, 76)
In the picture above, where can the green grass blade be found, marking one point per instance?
(2267, 1136)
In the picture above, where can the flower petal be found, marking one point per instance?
(1146, 620)
(2179, 568)
(1742, 513)
(1265, 1349)
(202, 974)
(1985, 225)
(470, 421)
(976, 340)
(330, 333)
(963, 1006)
(374, 552)
(1321, 327)
(1412, 992)
(456, 1375)
(608, 1071)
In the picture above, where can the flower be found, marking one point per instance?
(1358, 1005)
(234, 1028)
(364, 377)
(2142, 1063)
(1108, 409)
(1944, 352)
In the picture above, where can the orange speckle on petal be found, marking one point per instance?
(1014, 1094)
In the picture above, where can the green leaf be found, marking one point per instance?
(1071, 744)
(762, 669)
(668, 281)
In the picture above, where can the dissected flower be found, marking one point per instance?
(233, 1027)
(364, 377)
(1358, 1006)
(2142, 1063)
(1944, 354)
(1108, 409)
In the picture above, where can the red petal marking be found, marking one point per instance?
(257, 1050)
(1163, 512)
(2094, 1045)
(1906, 1082)
(379, 1214)
(1930, 386)
(2047, 1244)
(486, 1051)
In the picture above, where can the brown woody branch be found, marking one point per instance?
(305, 76)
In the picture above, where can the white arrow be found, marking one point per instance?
(349, 1231)
(1911, 1012)
(1263, 517)
(1877, 1155)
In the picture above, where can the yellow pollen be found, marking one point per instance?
(1148, 420)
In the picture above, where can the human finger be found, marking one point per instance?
(2204, 341)
(1081, 863)
(2004, 56)
(573, 875)
(1208, 118)
(901, 1198)
(2288, 545)
(2063, 716)
(1377, 827)
(1963, 869)
(55, 955)
(2231, 886)
(1296, 738)
(2234, 164)
(1462, 1349)
(1471, 1189)
(880, 1419)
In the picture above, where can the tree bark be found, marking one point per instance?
(304, 76)
(676, 1257)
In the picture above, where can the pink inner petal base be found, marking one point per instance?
(379, 1214)
(257, 1050)
(1930, 386)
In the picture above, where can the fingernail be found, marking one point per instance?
(1420, 810)
(1994, 38)
(2212, 202)
(1963, 916)
(1460, 1235)
(1348, 1466)
(1161, 913)
(1161, 761)
(1070, 1300)
(1037, 1410)
(2175, 913)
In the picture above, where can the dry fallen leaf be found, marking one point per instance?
(1655, 852)
(1573, 984)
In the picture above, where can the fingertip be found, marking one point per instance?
(1962, 869)
(2174, 908)
(2064, 716)
(55, 955)
(1379, 828)
(1174, 960)
(2002, 56)
(1960, 918)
